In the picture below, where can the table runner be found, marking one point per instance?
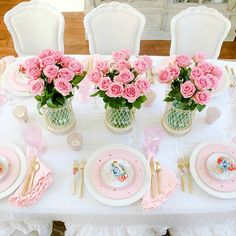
(182, 209)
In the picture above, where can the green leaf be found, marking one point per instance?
(178, 96)
(38, 98)
(50, 103)
(78, 78)
(169, 99)
(200, 107)
(95, 94)
(137, 104)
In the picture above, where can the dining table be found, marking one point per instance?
(87, 216)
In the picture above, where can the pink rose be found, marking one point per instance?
(115, 89)
(63, 86)
(65, 61)
(165, 76)
(102, 66)
(174, 71)
(140, 66)
(57, 56)
(95, 76)
(33, 71)
(196, 73)
(142, 84)
(214, 81)
(36, 86)
(203, 82)
(126, 52)
(125, 76)
(183, 61)
(131, 93)
(22, 68)
(46, 61)
(147, 60)
(76, 66)
(199, 57)
(122, 64)
(66, 74)
(217, 72)
(202, 97)
(206, 67)
(32, 60)
(51, 72)
(46, 53)
(104, 83)
(187, 89)
(117, 56)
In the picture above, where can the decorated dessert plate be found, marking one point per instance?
(17, 166)
(4, 166)
(15, 81)
(212, 165)
(117, 175)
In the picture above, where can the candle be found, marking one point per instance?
(75, 141)
(20, 113)
(213, 114)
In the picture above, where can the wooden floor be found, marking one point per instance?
(75, 42)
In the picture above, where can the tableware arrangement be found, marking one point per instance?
(37, 181)
(117, 175)
(190, 81)
(122, 85)
(52, 77)
(213, 167)
(15, 168)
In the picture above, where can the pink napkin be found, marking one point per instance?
(43, 179)
(169, 183)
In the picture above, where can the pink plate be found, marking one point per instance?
(203, 172)
(14, 168)
(117, 192)
(17, 81)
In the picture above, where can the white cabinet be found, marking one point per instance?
(158, 13)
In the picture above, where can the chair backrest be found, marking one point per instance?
(112, 26)
(198, 29)
(35, 26)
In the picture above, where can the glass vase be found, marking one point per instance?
(59, 120)
(177, 121)
(120, 120)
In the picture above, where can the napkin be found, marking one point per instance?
(43, 179)
(169, 183)
(4, 62)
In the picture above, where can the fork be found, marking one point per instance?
(75, 172)
(158, 170)
(153, 189)
(181, 168)
(231, 74)
(187, 166)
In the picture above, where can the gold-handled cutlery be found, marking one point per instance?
(158, 170)
(181, 168)
(152, 168)
(81, 183)
(35, 169)
(187, 166)
(75, 173)
(28, 177)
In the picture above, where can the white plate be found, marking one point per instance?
(5, 164)
(198, 180)
(117, 202)
(23, 169)
(223, 84)
(9, 72)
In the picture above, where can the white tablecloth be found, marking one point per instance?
(182, 209)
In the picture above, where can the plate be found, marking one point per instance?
(223, 84)
(17, 169)
(198, 165)
(14, 81)
(110, 192)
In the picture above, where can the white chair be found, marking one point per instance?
(198, 29)
(112, 26)
(35, 26)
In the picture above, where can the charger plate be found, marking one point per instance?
(108, 192)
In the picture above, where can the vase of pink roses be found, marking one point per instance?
(191, 81)
(122, 85)
(52, 80)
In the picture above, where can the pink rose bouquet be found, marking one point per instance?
(52, 77)
(191, 81)
(121, 83)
